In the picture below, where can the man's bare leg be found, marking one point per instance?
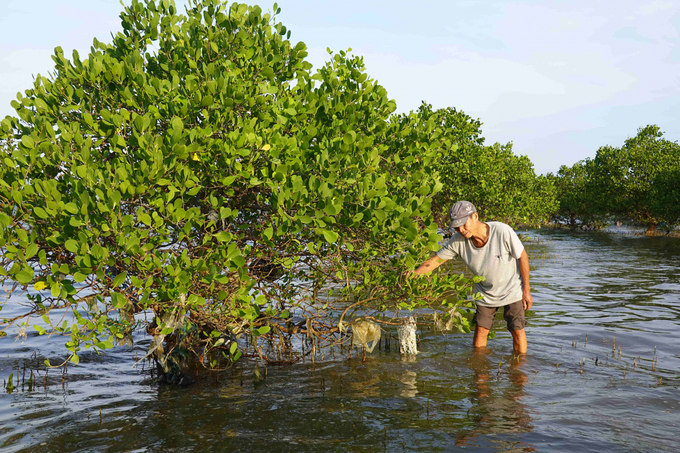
(519, 341)
(480, 337)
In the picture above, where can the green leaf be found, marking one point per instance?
(233, 348)
(27, 141)
(379, 183)
(55, 289)
(263, 330)
(268, 233)
(223, 236)
(120, 278)
(207, 101)
(31, 251)
(25, 276)
(433, 246)
(75, 222)
(75, 359)
(72, 208)
(330, 236)
(71, 245)
(40, 212)
(118, 300)
(176, 123)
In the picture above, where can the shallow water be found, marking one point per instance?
(599, 286)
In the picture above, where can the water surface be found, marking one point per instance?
(602, 374)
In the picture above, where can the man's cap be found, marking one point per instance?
(460, 212)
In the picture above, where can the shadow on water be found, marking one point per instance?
(602, 374)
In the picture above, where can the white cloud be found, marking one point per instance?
(647, 9)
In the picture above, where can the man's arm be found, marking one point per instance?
(527, 298)
(428, 266)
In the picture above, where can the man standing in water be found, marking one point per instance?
(491, 250)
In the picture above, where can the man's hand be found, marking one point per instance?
(527, 299)
(410, 274)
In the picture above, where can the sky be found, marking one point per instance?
(557, 79)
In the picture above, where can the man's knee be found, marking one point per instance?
(518, 333)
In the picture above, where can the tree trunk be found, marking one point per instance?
(651, 228)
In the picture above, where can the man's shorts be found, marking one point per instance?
(513, 314)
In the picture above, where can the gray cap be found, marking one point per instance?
(460, 212)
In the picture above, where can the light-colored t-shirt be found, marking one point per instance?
(497, 261)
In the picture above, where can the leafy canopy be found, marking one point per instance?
(502, 185)
(196, 169)
(637, 182)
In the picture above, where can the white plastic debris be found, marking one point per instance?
(407, 336)
(173, 320)
(442, 324)
(365, 332)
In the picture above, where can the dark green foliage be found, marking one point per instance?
(631, 177)
(635, 183)
(577, 197)
(666, 204)
(502, 186)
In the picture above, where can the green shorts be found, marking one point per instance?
(513, 314)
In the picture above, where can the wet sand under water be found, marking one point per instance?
(616, 392)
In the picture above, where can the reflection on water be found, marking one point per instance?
(497, 409)
(602, 374)
(410, 389)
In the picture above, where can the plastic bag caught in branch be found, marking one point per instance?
(172, 320)
(442, 324)
(365, 332)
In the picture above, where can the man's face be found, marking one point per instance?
(465, 230)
